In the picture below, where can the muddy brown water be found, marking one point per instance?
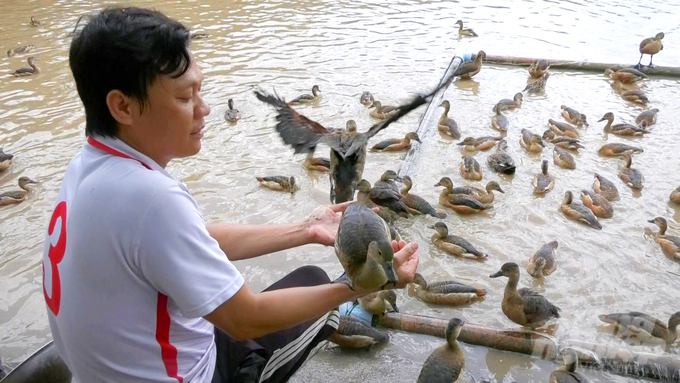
(392, 49)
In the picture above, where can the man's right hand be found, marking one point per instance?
(406, 258)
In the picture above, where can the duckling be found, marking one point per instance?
(415, 202)
(347, 147)
(454, 245)
(499, 122)
(448, 125)
(5, 160)
(531, 142)
(17, 196)
(279, 183)
(198, 36)
(353, 333)
(597, 203)
(578, 212)
(526, 307)
(543, 262)
(543, 182)
(621, 129)
(449, 293)
(382, 112)
(563, 159)
(636, 96)
(460, 203)
(470, 170)
(675, 195)
(670, 244)
(364, 247)
(479, 143)
(19, 50)
(630, 176)
(561, 141)
(380, 302)
(481, 195)
(307, 98)
(650, 46)
(538, 86)
(640, 322)
(446, 363)
(501, 161)
(567, 373)
(626, 75)
(386, 197)
(506, 104)
(563, 129)
(396, 144)
(366, 98)
(464, 31)
(605, 188)
(647, 118)
(468, 69)
(35, 22)
(573, 116)
(618, 150)
(27, 71)
(232, 115)
(319, 164)
(539, 68)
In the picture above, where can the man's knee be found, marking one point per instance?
(311, 275)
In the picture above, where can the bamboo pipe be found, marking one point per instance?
(582, 65)
(625, 362)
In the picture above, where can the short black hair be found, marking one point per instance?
(124, 49)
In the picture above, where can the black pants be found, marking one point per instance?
(241, 362)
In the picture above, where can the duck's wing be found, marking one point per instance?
(17, 194)
(536, 306)
(464, 68)
(385, 143)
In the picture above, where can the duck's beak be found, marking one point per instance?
(501, 190)
(462, 143)
(418, 139)
(430, 227)
(394, 307)
(651, 221)
(497, 274)
(389, 272)
(601, 119)
(438, 184)
(30, 181)
(399, 179)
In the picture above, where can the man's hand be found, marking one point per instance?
(322, 224)
(406, 258)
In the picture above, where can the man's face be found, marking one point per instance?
(171, 124)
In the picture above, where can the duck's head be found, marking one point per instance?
(315, 90)
(481, 55)
(518, 97)
(453, 330)
(364, 186)
(446, 105)
(391, 297)
(441, 229)
(629, 160)
(376, 104)
(24, 181)
(502, 145)
(230, 103)
(540, 265)
(508, 269)
(459, 22)
(659, 36)
(31, 60)
(351, 126)
(493, 185)
(674, 321)
(583, 118)
(419, 280)
(412, 136)
(553, 244)
(570, 359)
(660, 222)
(468, 141)
(548, 135)
(382, 253)
(568, 197)
(609, 116)
(389, 175)
(609, 72)
(366, 97)
(544, 167)
(407, 181)
(291, 181)
(445, 182)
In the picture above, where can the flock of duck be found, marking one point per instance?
(363, 243)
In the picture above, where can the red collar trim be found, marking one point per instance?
(113, 151)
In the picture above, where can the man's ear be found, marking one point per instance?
(120, 107)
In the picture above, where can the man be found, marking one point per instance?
(137, 287)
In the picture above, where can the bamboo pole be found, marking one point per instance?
(581, 65)
(608, 357)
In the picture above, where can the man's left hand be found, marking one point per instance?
(322, 224)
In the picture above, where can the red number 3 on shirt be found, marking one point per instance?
(55, 255)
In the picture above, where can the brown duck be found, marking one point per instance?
(396, 144)
(448, 293)
(415, 202)
(650, 46)
(573, 116)
(543, 262)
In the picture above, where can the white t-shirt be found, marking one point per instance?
(130, 270)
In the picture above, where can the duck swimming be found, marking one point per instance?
(386, 197)
(380, 302)
(563, 159)
(675, 195)
(232, 115)
(470, 169)
(12, 197)
(561, 141)
(35, 22)
(449, 293)
(446, 363)
(573, 116)
(481, 195)
(472, 144)
(364, 247)
(650, 46)
(578, 212)
(599, 205)
(279, 183)
(506, 104)
(5, 160)
(630, 176)
(563, 129)
(640, 322)
(531, 142)
(526, 307)
(538, 86)
(499, 122)
(543, 182)
(19, 50)
(501, 161)
(647, 118)
(415, 202)
(366, 98)
(460, 203)
(670, 244)
(382, 112)
(396, 144)
(465, 31)
(621, 129)
(353, 333)
(618, 150)
(307, 98)
(448, 125)
(468, 69)
(318, 164)
(636, 96)
(567, 373)
(543, 262)
(27, 71)
(454, 245)
(539, 68)
(626, 75)
(605, 188)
